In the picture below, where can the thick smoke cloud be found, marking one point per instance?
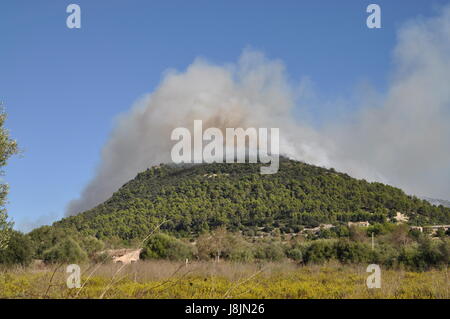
(404, 139)
(252, 93)
(401, 137)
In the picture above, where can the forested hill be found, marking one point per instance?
(195, 198)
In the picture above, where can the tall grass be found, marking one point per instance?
(165, 279)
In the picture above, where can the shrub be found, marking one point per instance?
(380, 229)
(91, 245)
(67, 251)
(385, 255)
(429, 254)
(444, 249)
(426, 255)
(241, 254)
(351, 252)
(269, 251)
(238, 249)
(295, 254)
(162, 246)
(319, 251)
(341, 231)
(19, 250)
(46, 237)
(409, 257)
(325, 234)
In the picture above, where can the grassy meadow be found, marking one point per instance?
(166, 279)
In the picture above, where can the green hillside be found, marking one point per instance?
(196, 198)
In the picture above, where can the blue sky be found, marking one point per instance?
(63, 88)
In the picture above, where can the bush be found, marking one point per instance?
(325, 234)
(295, 254)
(272, 251)
(91, 245)
(380, 229)
(426, 255)
(19, 250)
(67, 251)
(162, 246)
(341, 231)
(320, 251)
(351, 252)
(384, 255)
(241, 254)
(239, 250)
(444, 249)
(432, 253)
(46, 237)
(409, 257)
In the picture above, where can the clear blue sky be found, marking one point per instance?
(63, 88)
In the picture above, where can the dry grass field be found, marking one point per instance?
(164, 279)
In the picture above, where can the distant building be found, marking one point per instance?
(318, 228)
(128, 258)
(124, 256)
(419, 228)
(358, 224)
(435, 228)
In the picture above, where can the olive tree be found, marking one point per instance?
(8, 147)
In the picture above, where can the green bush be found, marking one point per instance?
(67, 251)
(272, 251)
(409, 257)
(444, 249)
(162, 246)
(319, 251)
(91, 245)
(19, 250)
(341, 231)
(432, 253)
(295, 253)
(239, 250)
(427, 254)
(46, 237)
(241, 254)
(384, 254)
(351, 252)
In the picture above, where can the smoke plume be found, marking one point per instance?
(401, 137)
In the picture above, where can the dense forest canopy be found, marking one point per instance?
(196, 198)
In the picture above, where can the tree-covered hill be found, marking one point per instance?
(196, 198)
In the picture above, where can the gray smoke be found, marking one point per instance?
(401, 137)
(252, 93)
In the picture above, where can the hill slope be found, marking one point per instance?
(194, 198)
